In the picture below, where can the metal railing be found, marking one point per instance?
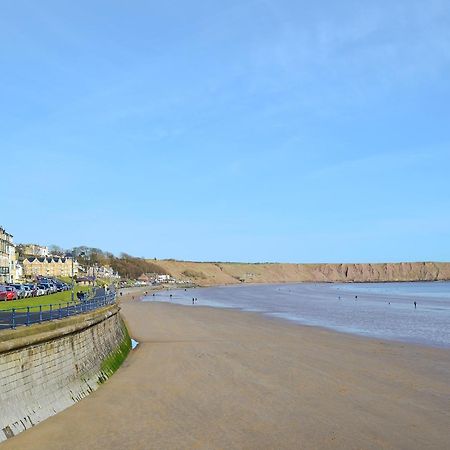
(29, 315)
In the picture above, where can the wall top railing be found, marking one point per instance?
(29, 315)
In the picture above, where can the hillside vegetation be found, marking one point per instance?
(127, 266)
(213, 273)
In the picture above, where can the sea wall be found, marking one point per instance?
(49, 367)
(214, 273)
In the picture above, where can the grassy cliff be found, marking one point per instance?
(213, 273)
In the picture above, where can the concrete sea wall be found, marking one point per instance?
(47, 368)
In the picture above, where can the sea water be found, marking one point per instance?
(380, 310)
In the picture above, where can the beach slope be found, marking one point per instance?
(220, 379)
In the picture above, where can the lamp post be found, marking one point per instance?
(73, 254)
(73, 281)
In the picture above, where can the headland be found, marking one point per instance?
(222, 273)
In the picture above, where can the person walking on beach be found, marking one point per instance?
(415, 304)
(193, 300)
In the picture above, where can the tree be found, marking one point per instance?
(56, 250)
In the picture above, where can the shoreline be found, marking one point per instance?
(399, 299)
(293, 322)
(214, 378)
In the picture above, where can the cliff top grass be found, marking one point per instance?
(45, 300)
(217, 273)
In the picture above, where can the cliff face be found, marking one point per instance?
(206, 273)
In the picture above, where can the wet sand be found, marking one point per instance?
(209, 378)
(381, 310)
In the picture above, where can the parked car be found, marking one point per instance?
(30, 289)
(8, 293)
(3, 293)
(26, 291)
(14, 294)
(60, 286)
(45, 288)
(40, 291)
(52, 284)
(21, 291)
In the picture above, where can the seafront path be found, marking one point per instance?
(207, 378)
(20, 318)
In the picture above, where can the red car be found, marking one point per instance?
(8, 293)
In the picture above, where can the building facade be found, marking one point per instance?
(101, 272)
(7, 257)
(34, 250)
(50, 266)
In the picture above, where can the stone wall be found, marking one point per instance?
(47, 368)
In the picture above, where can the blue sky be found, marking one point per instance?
(242, 130)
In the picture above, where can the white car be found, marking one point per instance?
(27, 290)
(42, 289)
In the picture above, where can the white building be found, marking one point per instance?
(164, 279)
(18, 271)
(101, 272)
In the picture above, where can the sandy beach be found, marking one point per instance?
(205, 378)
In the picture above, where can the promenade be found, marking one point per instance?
(207, 378)
(20, 317)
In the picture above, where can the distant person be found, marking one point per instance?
(193, 300)
(415, 305)
(121, 294)
(170, 295)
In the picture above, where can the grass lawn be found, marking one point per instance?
(45, 300)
